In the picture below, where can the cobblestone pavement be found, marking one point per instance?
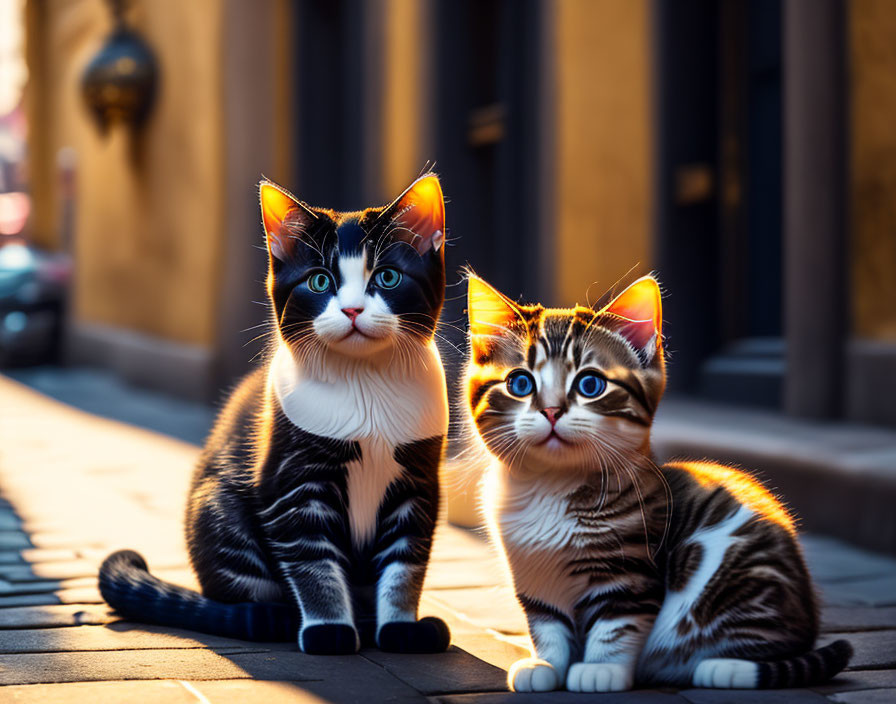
(76, 486)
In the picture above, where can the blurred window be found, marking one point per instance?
(14, 203)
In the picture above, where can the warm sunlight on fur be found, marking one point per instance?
(743, 487)
(489, 312)
(639, 302)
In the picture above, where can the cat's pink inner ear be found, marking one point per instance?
(276, 204)
(489, 313)
(640, 306)
(422, 211)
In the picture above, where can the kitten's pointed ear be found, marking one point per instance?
(276, 204)
(489, 312)
(640, 310)
(420, 210)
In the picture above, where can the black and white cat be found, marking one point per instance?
(313, 507)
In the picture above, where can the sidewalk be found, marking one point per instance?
(77, 486)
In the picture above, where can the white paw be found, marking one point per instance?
(599, 677)
(726, 673)
(533, 675)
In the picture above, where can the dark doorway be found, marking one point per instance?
(335, 97)
(719, 196)
(487, 136)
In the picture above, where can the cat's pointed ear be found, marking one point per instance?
(489, 312)
(640, 312)
(419, 212)
(277, 204)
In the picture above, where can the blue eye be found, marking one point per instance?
(520, 383)
(387, 278)
(590, 385)
(319, 283)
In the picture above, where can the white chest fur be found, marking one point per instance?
(532, 522)
(399, 401)
(379, 406)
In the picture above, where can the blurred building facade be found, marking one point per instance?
(743, 150)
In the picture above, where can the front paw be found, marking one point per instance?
(599, 677)
(533, 675)
(329, 639)
(428, 635)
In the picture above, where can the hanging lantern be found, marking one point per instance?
(119, 83)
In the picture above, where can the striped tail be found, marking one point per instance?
(804, 670)
(129, 588)
(811, 668)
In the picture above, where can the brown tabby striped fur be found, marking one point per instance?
(689, 574)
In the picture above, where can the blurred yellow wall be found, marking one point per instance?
(602, 201)
(148, 218)
(404, 94)
(873, 167)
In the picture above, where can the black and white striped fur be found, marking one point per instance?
(312, 510)
(689, 574)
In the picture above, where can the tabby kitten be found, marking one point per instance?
(689, 574)
(313, 506)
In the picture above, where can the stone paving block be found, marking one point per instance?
(866, 696)
(17, 600)
(858, 679)
(453, 671)
(489, 607)
(118, 636)
(494, 648)
(454, 544)
(34, 586)
(70, 569)
(178, 692)
(304, 692)
(13, 540)
(352, 677)
(641, 696)
(9, 520)
(874, 649)
(80, 595)
(41, 668)
(356, 688)
(472, 573)
(832, 560)
(193, 664)
(38, 555)
(37, 587)
(61, 539)
(857, 618)
(155, 691)
(17, 572)
(873, 591)
(11, 557)
(57, 615)
(752, 696)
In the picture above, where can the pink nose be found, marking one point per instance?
(352, 313)
(552, 414)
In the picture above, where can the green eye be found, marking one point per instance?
(319, 282)
(387, 278)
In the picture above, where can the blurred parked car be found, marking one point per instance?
(33, 292)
